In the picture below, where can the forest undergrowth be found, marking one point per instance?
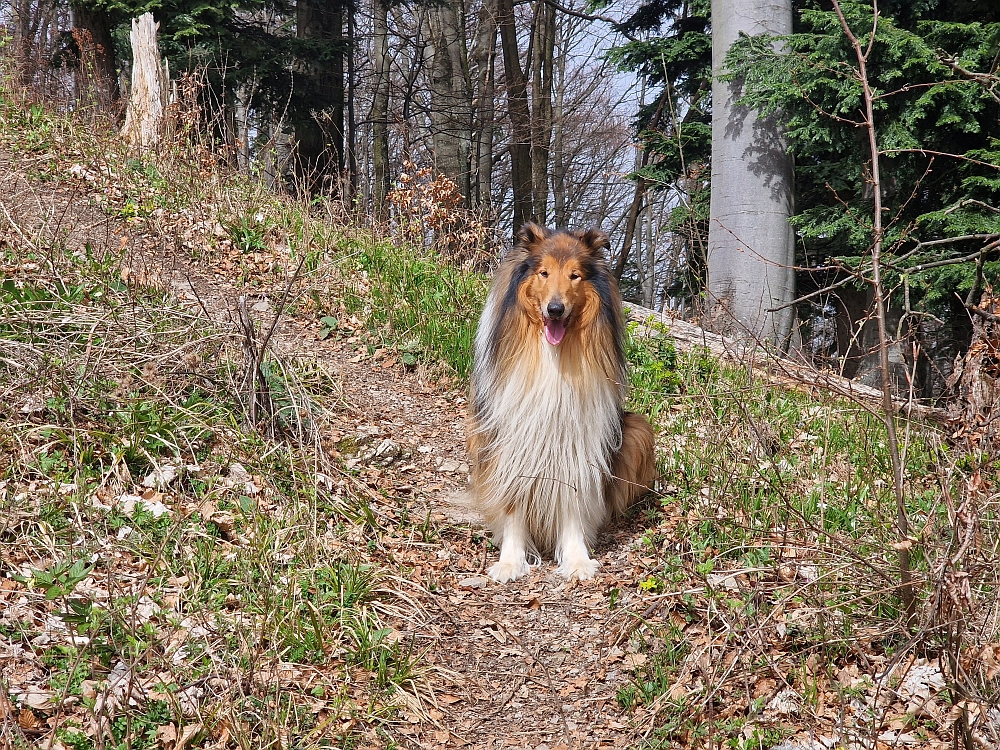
(188, 562)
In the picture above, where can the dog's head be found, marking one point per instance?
(565, 272)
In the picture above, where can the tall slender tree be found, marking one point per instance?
(543, 37)
(483, 65)
(451, 93)
(380, 107)
(519, 114)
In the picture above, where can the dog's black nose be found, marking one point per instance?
(555, 309)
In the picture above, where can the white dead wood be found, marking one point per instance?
(147, 99)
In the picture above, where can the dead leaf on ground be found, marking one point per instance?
(27, 720)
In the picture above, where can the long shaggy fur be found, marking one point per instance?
(552, 452)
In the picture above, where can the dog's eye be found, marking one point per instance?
(574, 276)
(544, 274)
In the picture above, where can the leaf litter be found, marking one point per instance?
(630, 658)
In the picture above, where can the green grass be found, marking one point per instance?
(656, 676)
(121, 380)
(791, 493)
(786, 493)
(416, 301)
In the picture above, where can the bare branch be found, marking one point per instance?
(859, 274)
(971, 202)
(949, 261)
(983, 313)
(961, 238)
(902, 523)
(616, 24)
(804, 297)
(929, 152)
(986, 80)
(912, 87)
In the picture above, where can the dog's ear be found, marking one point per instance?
(531, 234)
(595, 240)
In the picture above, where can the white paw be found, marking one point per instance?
(582, 569)
(503, 572)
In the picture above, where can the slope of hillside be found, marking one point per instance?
(231, 443)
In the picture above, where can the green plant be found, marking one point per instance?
(655, 676)
(139, 731)
(329, 324)
(418, 300)
(75, 739)
(248, 233)
(759, 737)
(653, 368)
(67, 668)
(39, 128)
(59, 580)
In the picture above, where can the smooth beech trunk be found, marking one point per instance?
(750, 242)
(451, 94)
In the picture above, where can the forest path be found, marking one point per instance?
(531, 664)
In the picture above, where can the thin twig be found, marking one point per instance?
(985, 315)
(902, 524)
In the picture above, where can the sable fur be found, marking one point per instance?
(552, 452)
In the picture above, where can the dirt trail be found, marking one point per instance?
(532, 664)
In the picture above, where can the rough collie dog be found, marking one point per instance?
(552, 452)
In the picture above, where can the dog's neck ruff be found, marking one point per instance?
(552, 420)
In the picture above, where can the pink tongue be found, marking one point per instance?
(554, 331)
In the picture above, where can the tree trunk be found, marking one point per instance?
(520, 118)
(541, 105)
(559, 166)
(451, 105)
(380, 109)
(858, 345)
(29, 17)
(352, 130)
(96, 40)
(241, 121)
(976, 382)
(630, 223)
(484, 61)
(410, 61)
(144, 116)
(639, 195)
(649, 264)
(277, 156)
(751, 244)
(319, 135)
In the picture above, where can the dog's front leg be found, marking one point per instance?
(513, 550)
(572, 552)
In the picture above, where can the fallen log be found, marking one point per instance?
(778, 368)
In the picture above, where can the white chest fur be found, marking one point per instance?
(553, 428)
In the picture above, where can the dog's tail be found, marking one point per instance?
(633, 468)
